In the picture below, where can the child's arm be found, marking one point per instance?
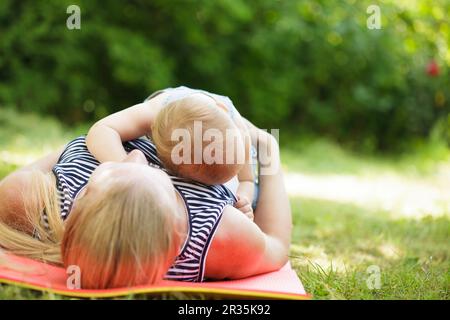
(104, 139)
(246, 188)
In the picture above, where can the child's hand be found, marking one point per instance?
(244, 205)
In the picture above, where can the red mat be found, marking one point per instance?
(282, 284)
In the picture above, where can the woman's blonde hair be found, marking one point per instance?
(124, 235)
(121, 236)
(182, 114)
(39, 242)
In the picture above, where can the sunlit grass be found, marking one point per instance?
(334, 244)
(26, 137)
(321, 156)
(399, 195)
(414, 185)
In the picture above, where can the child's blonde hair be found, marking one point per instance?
(182, 114)
(122, 236)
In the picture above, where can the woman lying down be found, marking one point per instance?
(136, 220)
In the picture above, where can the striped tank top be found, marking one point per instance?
(204, 203)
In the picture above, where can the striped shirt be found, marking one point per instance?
(204, 203)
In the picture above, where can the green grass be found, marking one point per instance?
(334, 244)
(392, 225)
(320, 156)
(337, 235)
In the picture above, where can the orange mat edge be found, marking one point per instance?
(242, 293)
(15, 277)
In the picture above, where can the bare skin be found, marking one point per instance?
(240, 247)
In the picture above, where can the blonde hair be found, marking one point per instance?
(122, 236)
(40, 196)
(182, 114)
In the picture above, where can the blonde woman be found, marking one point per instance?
(129, 223)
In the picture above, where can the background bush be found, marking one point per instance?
(304, 66)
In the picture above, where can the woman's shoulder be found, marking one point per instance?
(236, 247)
(76, 156)
(74, 148)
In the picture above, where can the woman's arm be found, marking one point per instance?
(242, 248)
(273, 211)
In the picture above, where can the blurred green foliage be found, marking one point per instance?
(307, 66)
